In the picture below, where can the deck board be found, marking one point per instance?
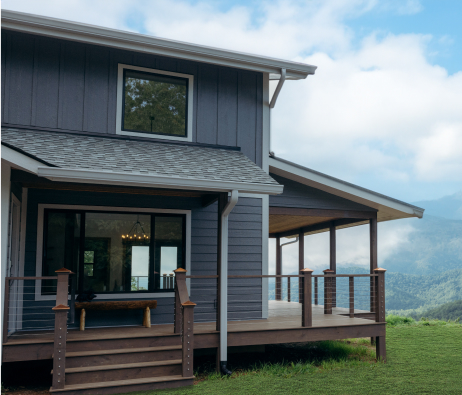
(282, 315)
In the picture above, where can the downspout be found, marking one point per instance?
(224, 283)
(273, 101)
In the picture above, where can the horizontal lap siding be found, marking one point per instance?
(303, 196)
(244, 257)
(65, 85)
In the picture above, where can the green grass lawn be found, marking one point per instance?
(422, 358)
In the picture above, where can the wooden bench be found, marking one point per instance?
(145, 305)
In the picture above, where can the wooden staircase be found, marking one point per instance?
(112, 366)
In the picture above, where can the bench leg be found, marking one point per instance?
(82, 320)
(147, 318)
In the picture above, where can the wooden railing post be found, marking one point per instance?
(288, 289)
(307, 310)
(328, 291)
(380, 295)
(61, 309)
(316, 291)
(188, 338)
(180, 278)
(352, 296)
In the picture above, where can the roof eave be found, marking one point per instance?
(154, 181)
(397, 209)
(74, 31)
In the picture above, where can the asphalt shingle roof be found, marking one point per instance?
(136, 157)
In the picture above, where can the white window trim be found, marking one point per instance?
(127, 295)
(120, 85)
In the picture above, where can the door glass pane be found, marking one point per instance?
(169, 249)
(116, 252)
(61, 246)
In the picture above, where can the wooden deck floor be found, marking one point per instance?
(282, 315)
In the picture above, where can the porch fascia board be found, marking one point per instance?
(130, 179)
(64, 29)
(388, 207)
(315, 212)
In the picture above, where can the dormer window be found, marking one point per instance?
(154, 103)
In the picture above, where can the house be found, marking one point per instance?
(137, 169)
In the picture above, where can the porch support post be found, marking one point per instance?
(373, 256)
(380, 311)
(373, 263)
(224, 208)
(301, 261)
(5, 196)
(278, 268)
(333, 261)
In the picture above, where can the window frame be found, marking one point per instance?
(120, 103)
(128, 210)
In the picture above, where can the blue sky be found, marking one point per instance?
(384, 108)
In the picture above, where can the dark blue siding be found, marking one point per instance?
(245, 252)
(64, 85)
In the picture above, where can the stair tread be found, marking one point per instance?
(146, 380)
(120, 351)
(123, 366)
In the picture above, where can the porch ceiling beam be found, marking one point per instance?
(315, 212)
(316, 227)
(207, 200)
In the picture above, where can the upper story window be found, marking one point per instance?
(154, 103)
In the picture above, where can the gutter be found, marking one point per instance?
(224, 282)
(154, 181)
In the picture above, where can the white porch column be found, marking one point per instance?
(5, 193)
(223, 279)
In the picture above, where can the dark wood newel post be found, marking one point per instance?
(188, 338)
(380, 311)
(307, 309)
(301, 260)
(278, 268)
(180, 278)
(61, 309)
(328, 291)
(333, 261)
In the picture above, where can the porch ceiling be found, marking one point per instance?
(283, 223)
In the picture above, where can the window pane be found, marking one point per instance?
(120, 251)
(61, 249)
(169, 249)
(155, 103)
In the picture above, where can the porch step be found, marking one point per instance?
(124, 386)
(91, 344)
(122, 356)
(126, 371)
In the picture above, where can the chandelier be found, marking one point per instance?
(136, 232)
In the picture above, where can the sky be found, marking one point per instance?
(384, 109)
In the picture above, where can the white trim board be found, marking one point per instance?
(19, 160)
(81, 32)
(39, 251)
(389, 208)
(120, 85)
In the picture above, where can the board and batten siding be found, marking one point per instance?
(245, 254)
(70, 86)
(299, 195)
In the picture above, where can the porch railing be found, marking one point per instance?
(348, 295)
